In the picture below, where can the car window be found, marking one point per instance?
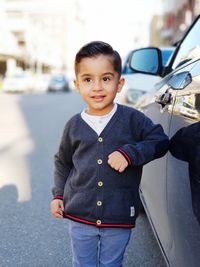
(125, 65)
(165, 56)
(126, 69)
(190, 47)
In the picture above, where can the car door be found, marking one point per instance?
(183, 173)
(154, 183)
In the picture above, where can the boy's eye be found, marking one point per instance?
(87, 80)
(106, 78)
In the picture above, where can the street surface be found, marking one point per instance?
(30, 129)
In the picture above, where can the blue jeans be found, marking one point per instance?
(97, 247)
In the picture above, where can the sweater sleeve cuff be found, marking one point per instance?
(58, 197)
(125, 155)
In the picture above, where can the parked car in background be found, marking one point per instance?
(170, 186)
(58, 83)
(41, 82)
(17, 83)
(139, 84)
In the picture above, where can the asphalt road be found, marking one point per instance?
(30, 130)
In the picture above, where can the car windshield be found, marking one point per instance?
(190, 46)
(58, 79)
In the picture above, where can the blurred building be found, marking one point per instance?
(9, 46)
(34, 34)
(39, 28)
(176, 16)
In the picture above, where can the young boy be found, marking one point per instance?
(99, 163)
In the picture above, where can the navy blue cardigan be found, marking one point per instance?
(92, 191)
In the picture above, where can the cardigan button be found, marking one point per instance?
(100, 139)
(100, 183)
(98, 222)
(99, 203)
(99, 161)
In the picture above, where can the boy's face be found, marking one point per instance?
(98, 83)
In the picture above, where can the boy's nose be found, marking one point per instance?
(97, 86)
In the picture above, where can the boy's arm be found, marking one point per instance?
(62, 165)
(152, 142)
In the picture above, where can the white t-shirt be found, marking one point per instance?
(98, 123)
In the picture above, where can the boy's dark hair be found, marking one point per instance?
(96, 48)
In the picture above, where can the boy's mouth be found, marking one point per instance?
(98, 98)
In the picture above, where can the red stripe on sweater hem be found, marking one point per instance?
(58, 197)
(99, 225)
(125, 155)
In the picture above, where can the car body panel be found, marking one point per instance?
(136, 86)
(165, 185)
(154, 178)
(178, 183)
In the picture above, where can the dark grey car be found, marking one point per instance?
(58, 83)
(170, 186)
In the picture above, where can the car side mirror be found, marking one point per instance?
(147, 60)
(180, 80)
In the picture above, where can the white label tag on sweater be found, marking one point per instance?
(132, 211)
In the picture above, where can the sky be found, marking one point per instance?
(124, 24)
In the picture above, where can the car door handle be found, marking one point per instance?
(164, 99)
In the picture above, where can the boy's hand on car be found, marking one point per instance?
(57, 208)
(117, 161)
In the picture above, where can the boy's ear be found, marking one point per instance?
(120, 84)
(76, 85)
